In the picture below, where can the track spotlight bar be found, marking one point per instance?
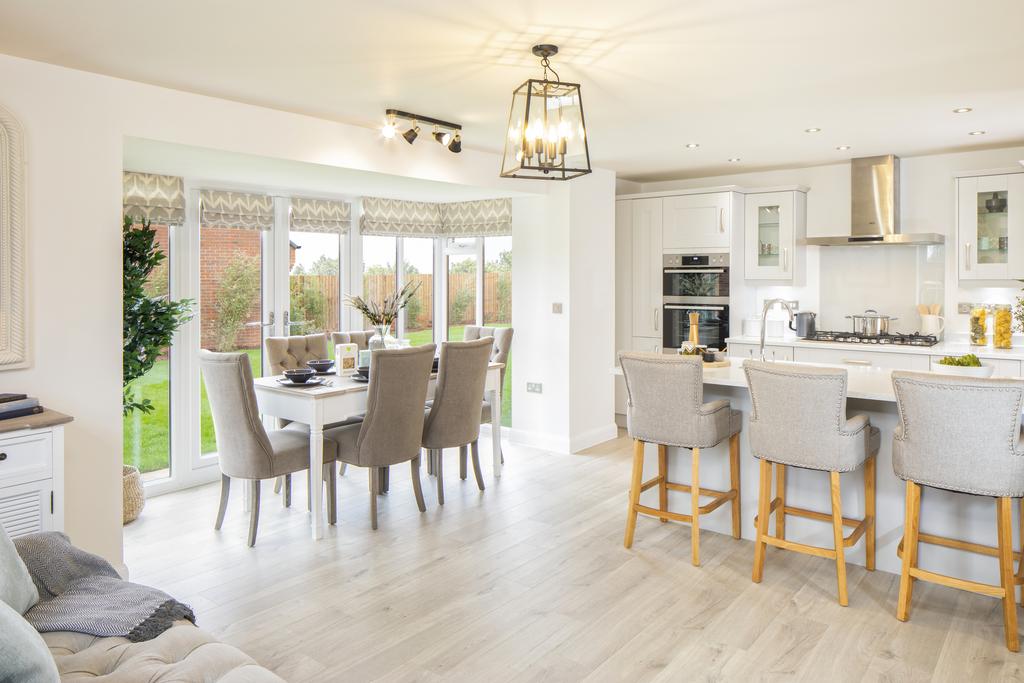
(450, 138)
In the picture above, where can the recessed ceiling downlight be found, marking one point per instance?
(812, 130)
(977, 132)
(733, 160)
(962, 110)
(692, 145)
(843, 148)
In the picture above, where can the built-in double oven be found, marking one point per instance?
(698, 284)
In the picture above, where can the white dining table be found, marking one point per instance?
(340, 398)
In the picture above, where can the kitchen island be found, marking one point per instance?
(870, 393)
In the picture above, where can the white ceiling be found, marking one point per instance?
(742, 78)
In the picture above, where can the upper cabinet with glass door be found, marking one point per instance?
(990, 227)
(773, 227)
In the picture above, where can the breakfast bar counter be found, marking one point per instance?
(870, 392)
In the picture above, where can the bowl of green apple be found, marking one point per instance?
(967, 365)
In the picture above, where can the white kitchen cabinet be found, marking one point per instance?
(773, 225)
(1004, 367)
(858, 358)
(32, 476)
(646, 344)
(697, 222)
(990, 227)
(646, 280)
(752, 351)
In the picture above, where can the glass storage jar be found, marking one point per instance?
(979, 326)
(1002, 326)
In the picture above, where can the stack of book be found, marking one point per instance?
(18, 405)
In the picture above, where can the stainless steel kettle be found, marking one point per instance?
(805, 326)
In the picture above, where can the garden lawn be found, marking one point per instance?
(147, 435)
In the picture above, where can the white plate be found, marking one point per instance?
(311, 382)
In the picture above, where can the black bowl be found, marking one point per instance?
(320, 365)
(299, 375)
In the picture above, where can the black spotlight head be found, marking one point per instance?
(411, 134)
(442, 137)
(455, 146)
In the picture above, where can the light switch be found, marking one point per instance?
(534, 388)
(556, 308)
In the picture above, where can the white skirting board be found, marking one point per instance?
(562, 444)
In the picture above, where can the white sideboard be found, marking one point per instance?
(32, 473)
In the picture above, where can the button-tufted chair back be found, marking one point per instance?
(799, 418)
(454, 418)
(357, 337)
(959, 433)
(502, 342)
(289, 353)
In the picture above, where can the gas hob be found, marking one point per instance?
(885, 339)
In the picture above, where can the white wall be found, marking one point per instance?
(899, 275)
(75, 124)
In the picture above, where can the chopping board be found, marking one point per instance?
(717, 364)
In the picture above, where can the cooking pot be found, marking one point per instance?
(804, 324)
(871, 323)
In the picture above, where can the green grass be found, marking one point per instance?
(147, 435)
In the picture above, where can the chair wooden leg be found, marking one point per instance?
(374, 486)
(474, 449)
(439, 471)
(254, 511)
(663, 479)
(763, 506)
(870, 475)
(430, 462)
(463, 456)
(1020, 563)
(332, 492)
(780, 493)
(286, 499)
(417, 486)
(837, 533)
(225, 491)
(277, 485)
(695, 508)
(911, 526)
(343, 469)
(634, 491)
(1004, 518)
(734, 481)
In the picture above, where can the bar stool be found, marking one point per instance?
(665, 406)
(799, 420)
(961, 434)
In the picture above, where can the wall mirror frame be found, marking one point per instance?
(14, 348)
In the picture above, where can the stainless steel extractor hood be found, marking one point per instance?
(875, 208)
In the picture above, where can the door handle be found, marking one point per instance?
(257, 323)
(657, 318)
(721, 220)
(967, 255)
(785, 259)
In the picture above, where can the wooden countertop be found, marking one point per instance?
(47, 418)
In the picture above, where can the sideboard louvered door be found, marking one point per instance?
(32, 480)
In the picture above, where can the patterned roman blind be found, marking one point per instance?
(428, 219)
(159, 198)
(320, 215)
(477, 219)
(400, 218)
(237, 210)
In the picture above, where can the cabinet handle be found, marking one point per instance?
(967, 255)
(3, 456)
(657, 318)
(856, 361)
(785, 259)
(721, 220)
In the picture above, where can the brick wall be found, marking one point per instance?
(218, 248)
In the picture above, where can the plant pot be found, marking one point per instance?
(134, 493)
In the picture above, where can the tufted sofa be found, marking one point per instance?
(182, 653)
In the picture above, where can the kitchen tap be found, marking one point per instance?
(764, 317)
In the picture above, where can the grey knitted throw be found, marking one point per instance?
(81, 592)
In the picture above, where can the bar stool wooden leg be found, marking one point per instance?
(695, 508)
(734, 482)
(780, 493)
(869, 512)
(911, 525)
(837, 532)
(763, 505)
(634, 490)
(1004, 518)
(663, 479)
(1020, 563)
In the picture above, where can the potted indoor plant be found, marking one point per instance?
(383, 315)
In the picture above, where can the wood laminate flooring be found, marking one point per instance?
(528, 580)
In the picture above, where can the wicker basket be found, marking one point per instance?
(134, 493)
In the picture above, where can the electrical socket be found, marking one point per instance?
(556, 308)
(534, 388)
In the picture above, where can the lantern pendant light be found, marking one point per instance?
(547, 135)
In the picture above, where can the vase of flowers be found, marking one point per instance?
(382, 315)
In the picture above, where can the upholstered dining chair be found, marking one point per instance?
(360, 338)
(452, 419)
(499, 354)
(392, 428)
(961, 434)
(245, 449)
(289, 353)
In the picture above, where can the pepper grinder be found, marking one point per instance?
(694, 340)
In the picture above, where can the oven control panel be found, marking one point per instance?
(695, 260)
